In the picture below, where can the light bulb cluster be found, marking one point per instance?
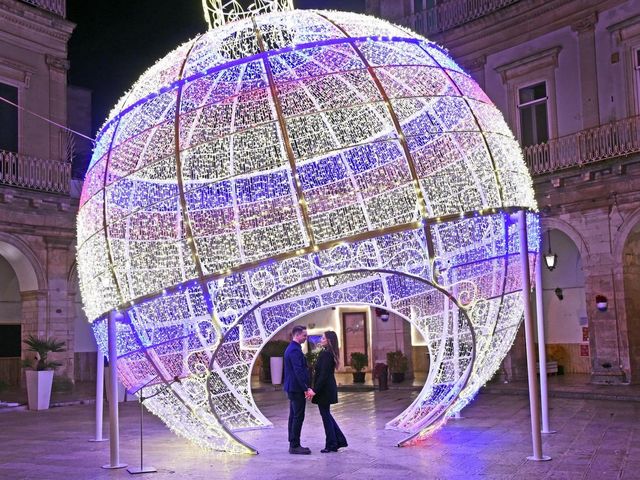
(252, 163)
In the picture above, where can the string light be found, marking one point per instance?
(204, 185)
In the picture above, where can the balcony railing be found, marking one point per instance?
(450, 14)
(612, 140)
(55, 6)
(34, 173)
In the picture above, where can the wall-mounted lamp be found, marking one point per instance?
(550, 258)
(601, 303)
(382, 314)
(559, 294)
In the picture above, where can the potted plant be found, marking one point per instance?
(359, 361)
(272, 356)
(398, 365)
(40, 375)
(312, 358)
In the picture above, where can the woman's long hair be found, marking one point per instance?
(332, 345)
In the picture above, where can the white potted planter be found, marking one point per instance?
(277, 365)
(40, 374)
(39, 388)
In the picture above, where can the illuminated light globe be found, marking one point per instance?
(285, 163)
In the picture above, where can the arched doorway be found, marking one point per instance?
(447, 328)
(10, 325)
(631, 274)
(22, 282)
(565, 313)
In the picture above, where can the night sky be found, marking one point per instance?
(117, 40)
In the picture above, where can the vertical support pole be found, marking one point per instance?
(114, 428)
(534, 404)
(99, 396)
(542, 354)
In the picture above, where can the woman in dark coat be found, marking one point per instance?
(326, 391)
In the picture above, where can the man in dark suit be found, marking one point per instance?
(296, 384)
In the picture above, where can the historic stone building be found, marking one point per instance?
(38, 198)
(566, 75)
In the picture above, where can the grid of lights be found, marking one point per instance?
(219, 12)
(253, 163)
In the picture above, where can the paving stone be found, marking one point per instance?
(492, 441)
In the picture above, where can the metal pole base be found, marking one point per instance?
(548, 432)
(137, 470)
(108, 466)
(544, 458)
(98, 440)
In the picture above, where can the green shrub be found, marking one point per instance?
(398, 362)
(359, 361)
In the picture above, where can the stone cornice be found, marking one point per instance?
(476, 63)
(22, 15)
(626, 29)
(540, 60)
(57, 63)
(585, 24)
(19, 72)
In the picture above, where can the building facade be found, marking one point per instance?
(566, 75)
(38, 197)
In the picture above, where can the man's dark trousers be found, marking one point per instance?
(297, 404)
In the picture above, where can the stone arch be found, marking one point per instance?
(24, 261)
(549, 223)
(627, 227)
(436, 401)
(564, 307)
(627, 304)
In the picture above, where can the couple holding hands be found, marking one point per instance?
(324, 391)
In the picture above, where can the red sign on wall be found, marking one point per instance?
(584, 350)
(585, 334)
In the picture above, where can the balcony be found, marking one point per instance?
(54, 6)
(450, 14)
(588, 146)
(17, 170)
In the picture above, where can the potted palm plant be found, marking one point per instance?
(398, 365)
(359, 361)
(40, 374)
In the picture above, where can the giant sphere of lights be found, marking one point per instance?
(285, 163)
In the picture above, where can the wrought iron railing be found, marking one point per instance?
(55, 6)
(34, 173)
(450, 14)
(614, 139)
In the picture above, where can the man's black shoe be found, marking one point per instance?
(299, 450)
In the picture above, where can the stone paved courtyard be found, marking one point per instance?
(596, 439)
